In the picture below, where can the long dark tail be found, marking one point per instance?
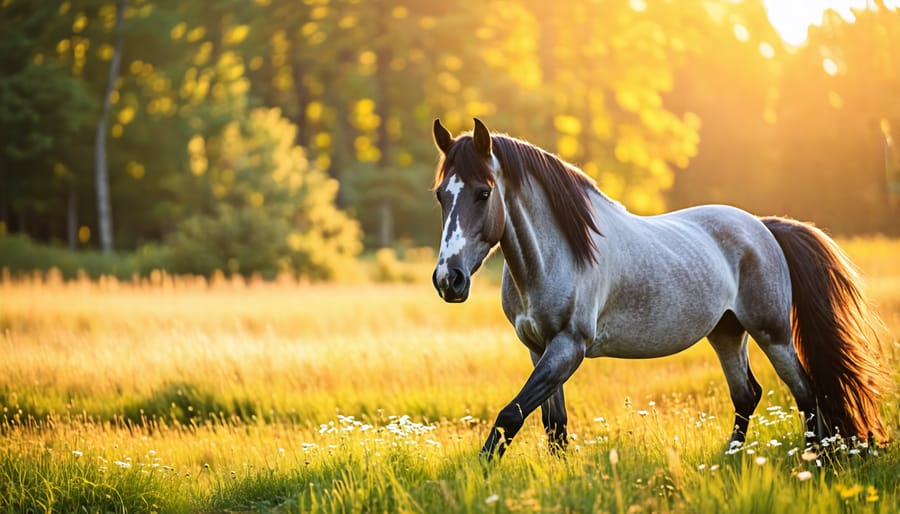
(835, 333)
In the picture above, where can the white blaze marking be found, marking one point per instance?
(453, 244)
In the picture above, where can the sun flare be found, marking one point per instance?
(792, 18)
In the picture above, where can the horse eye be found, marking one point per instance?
(483, 195)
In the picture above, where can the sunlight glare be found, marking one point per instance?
(792, 18)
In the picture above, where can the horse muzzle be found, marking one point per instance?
(454, 287)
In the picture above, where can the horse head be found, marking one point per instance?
(471, 208)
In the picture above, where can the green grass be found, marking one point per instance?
(178, 395)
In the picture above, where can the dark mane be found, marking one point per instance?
(565, 185)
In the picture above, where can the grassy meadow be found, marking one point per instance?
(184, 395)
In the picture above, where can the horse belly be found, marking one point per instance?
(630, 339)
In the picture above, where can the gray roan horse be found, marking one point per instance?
(585, 278)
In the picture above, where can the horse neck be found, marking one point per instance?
(535, 247)
(533, 244)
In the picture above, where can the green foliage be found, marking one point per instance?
(416, 265)
(22, 256)
(231, 239)
(269, 210)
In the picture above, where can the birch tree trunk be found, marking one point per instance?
(104, 208)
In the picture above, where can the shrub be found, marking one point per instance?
(270, 211)
(20, 255)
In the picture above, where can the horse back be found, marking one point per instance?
(674, 276)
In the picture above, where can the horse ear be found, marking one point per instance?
(482, 138)
(442, 137)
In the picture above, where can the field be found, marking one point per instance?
(180, 395)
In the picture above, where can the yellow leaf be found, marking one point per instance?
(567, 124)
(196, 34)
(255, 199)
(80, 23)
(237, 34)
(567, 146)
(178, 31)
(126, 115)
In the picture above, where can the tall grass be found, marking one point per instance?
(174, 395)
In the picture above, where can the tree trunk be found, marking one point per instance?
(302, 96)
(104, 209)
(72, 216)
(4, 200)
(342, 134)
(385, 224)
(382, 110)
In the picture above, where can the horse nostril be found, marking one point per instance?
(457, 280)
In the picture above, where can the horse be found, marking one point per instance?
(583, 277)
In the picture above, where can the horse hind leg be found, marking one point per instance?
(779, 348)
(729, 340)
(554, 419)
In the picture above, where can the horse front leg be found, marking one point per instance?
(554, 417)
(561, 358)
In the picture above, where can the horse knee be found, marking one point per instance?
(510, 419)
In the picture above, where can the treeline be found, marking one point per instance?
(278, 135)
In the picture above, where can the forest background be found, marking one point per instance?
(278, 136)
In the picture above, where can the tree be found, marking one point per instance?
(43, 109)
(737, 155)
(271, 212)
(837, 104)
